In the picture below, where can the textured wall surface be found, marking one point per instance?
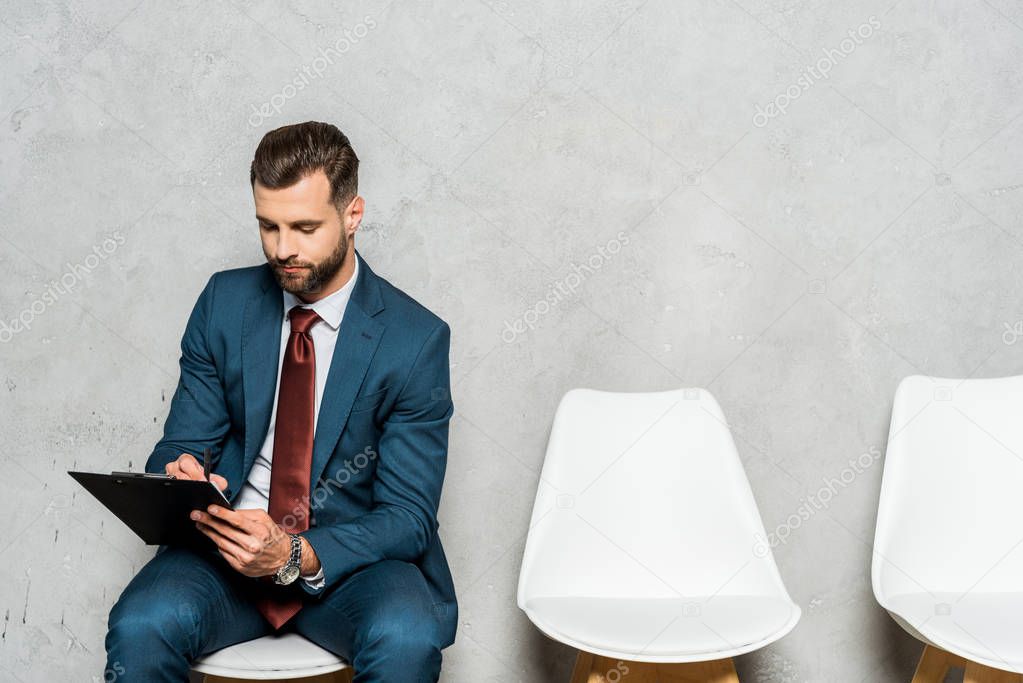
(792, 204)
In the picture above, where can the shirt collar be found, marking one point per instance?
(330, 308)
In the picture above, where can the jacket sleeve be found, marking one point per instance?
(412, 456)
(198, 414)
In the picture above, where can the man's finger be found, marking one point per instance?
(189, 465)
(235, 556)
(225, 544)
(234, 563)
(183, 468)
(237, 519)
(240, 538)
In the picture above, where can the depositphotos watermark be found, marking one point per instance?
(563, 288)
(322, 491)
(313, 70)
(1013, 333)
(111, 673)
(815, 502)
(73, 273)
(615, 674)
(821, 69)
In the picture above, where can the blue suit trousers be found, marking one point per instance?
(185, 603)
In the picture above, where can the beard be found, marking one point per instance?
(315, 276)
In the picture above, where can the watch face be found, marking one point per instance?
(288, 574)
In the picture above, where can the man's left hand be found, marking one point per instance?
(250, 541)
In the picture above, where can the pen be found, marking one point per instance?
(206, 463)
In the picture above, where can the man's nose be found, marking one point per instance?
(285, 249)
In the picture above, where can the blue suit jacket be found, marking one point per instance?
(380, 446)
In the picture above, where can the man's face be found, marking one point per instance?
(305, 239)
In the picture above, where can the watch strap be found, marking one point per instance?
(294, 559)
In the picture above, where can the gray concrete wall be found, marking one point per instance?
(793, 240)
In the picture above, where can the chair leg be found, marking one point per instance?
(591, 668)
(933, 665)
(343, 676)
(725, 672)
(714, 671)
(583, 666)
(978, 673)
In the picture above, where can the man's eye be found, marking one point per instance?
(265, 226)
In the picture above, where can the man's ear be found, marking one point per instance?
(353, 214)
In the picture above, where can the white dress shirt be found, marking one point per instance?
(255, 492)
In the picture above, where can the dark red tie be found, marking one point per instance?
(293, 448)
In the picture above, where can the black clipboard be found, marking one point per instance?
(155, 506)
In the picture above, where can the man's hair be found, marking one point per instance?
(289, 153)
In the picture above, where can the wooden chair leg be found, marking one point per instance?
(583, 666)
(722, 671)
(714, 671)
(978, 673)
(934, 665)
(591, 668)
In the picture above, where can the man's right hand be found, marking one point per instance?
(187, 467)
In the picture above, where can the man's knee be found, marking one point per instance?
(409, 639)
(403, 620)
(147, 620)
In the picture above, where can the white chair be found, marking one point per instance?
(646, 550)
(948, 547)
(276, 657)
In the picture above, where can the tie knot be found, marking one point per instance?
(302, 319)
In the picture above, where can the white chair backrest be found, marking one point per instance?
(643, 495)
(950, 516)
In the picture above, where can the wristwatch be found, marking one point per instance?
(293, 567)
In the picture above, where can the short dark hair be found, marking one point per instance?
(287, 154)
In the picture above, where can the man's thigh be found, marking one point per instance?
(385, 601)
(192, 598)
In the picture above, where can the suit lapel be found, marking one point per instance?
(357, 341)
(358, 338)
(261, 349)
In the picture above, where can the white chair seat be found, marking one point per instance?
(664, 629)
(982, 627)
(641, 492)
(288, 655)
(947, 564)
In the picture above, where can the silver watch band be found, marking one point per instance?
(291, 569)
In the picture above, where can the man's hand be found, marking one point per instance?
(187, 467)
(251, 542)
